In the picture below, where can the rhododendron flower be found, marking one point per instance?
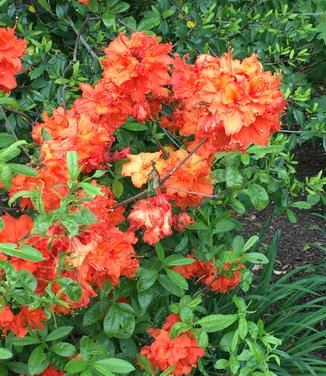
(139, 167)
(234, 103)
(105, 104)
(104, 253)
(139, 67)
(70, 131)
(190, 183)
(11, 49)
(51, 371)
(51, 183)
(226, 281)
(182, 220)
(182, 352)
(216, 280)
(6, 319)
(117, 155)
(28, 319)
(15, 229)
(154, 215)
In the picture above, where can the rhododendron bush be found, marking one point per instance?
(120, 254)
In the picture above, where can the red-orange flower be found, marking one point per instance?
(27, 319)
(15, 229)
(154, 215)
(226, 280)
(6, 319)
(182, 352)
(11, 49)
(235, 103)
(51, 371)
(190, 183)
(50, 183)
(139, 167)
(139, 67)
(182, 220)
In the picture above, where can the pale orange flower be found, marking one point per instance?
(139, 167)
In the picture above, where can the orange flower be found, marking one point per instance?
(70, 131)
(139, 167)
(51, 371)
(15, 229)
(139, 67)
(154, 215)
(105, 104)
(6, 318)
(11, 49)
(182, 220)
(196, 269)
(50, 183)
(235, 103)
(182, 352)
(103, 253)
(225, 282)
(28, 319)
(191, 180)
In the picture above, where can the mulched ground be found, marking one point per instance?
(299, 242)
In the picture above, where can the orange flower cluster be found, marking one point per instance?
(21, 323)
(182, 352)
(208, 274)
(11, 49)
(154, 215)
(234, 103)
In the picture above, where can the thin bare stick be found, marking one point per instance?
(82, 40)
(190, 192)
(167, 176)
(183, 161)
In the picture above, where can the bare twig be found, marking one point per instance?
(166, 177)
(158, 142)
(82, 40)
(183, 161)
(190, 192)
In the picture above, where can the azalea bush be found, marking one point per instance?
(120, 248)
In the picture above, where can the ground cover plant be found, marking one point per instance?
(128, 160)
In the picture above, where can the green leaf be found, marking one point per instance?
(291, 216)
(250, 242)
(147, 279)
(176, 260)
(76, 366)
(258, 196)
(224, 225)
(113, 365)
(160, 251)
(215, 323)
(108, 19)
(255, 258)
(11, 151)
(258, 150)
(22, 169)
(233, 177)
(71, 288)
(243, 328)
(5, 354)
(58, 333)
(170, 286)
(6, 176)
(91, 189)
(95, 313)
(177, 278)
(6, 139)
(24, 341)
(117, 188)
(37, 361)
(63, 349)
(44, 4)
(134, 126)
(221, 364)
(26, 252)
(72, 163)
